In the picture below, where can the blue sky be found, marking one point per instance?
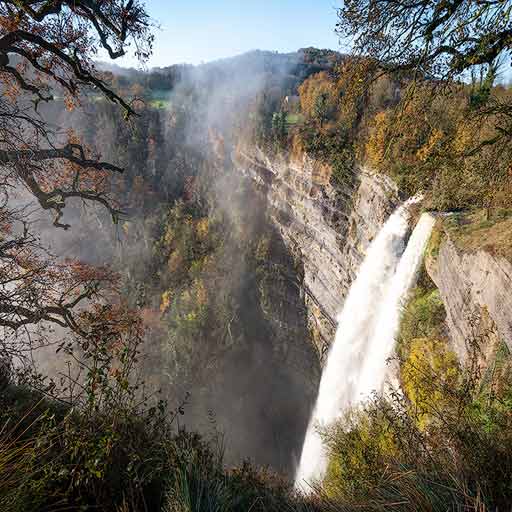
(203, 30)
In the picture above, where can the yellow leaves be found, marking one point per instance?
(202, 228)
(191, 317)
(376, 145)
(358, 443)
(165, 301)
(432, 144)
(429, 366)
(464, 138)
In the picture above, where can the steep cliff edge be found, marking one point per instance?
(327, 226)
(469, 265)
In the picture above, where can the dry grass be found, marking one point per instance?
(474, 231)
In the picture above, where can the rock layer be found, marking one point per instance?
(475, 288)
(326, 227)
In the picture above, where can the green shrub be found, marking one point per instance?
(199, 482)
(359, 446)
(423, 315)
(384, 457)
(333, 146)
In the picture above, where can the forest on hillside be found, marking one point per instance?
(156, 353)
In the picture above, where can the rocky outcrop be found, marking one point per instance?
(476, 290)
(327, 227)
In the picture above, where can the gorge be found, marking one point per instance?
(290, 290)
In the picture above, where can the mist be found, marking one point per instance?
(248, 374)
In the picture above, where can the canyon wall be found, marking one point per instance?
(326, 226)
(475, 287)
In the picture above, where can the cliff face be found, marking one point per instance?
(476, 290)
(327, 228)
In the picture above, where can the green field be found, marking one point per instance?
(294, 119)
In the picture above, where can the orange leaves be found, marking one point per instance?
(376, 145)
(9, 23)
(313, 88)
(11, 88)
(109, 324)
(71, 102)
(83, 273)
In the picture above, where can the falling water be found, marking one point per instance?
(367, 326)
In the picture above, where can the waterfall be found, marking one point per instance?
(367, 326)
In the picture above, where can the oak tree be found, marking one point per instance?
(47, 52)
(442, 38)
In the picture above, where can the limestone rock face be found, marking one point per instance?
(326, 227)
(476, 288)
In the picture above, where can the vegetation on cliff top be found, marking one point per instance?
(456, 154)
(482, 230)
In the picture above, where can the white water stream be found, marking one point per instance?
(367, 326)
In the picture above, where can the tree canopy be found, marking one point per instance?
(441, 38)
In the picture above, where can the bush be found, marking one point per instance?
(334, 147)
(423, 315)
(201, 484)
(359, 446)
(434, 446)
(53, 456)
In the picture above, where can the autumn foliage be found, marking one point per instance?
(46, 52)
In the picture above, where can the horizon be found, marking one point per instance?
(128, 67)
